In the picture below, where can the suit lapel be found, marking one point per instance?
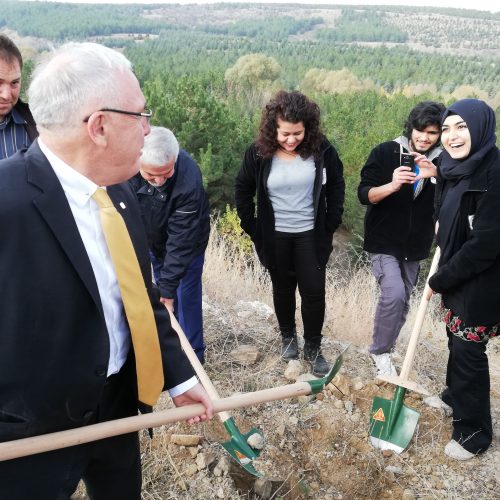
(54, 208)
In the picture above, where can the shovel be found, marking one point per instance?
(237, 446)
(63, 439)
(392, 423)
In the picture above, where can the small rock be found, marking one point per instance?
(395, 470)
(348, 405)
(263, 487)
(266, 488)
(280, 430)
(256, 441)
(193, 451)
(223, 466)
(387, 453)
(185, 439)
(338, 404)
(339, 386)
(293, 370)
(245, 354)
(204, 460)
(254, 307)
(408, 495)
(220, 493)
(355, 417)
(190, 470)
(358, 385)
(293, 421)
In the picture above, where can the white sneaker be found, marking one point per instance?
(384, 364)
(456, 451)
(437, 402)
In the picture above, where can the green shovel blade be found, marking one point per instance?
(392, 424)
(238, 447)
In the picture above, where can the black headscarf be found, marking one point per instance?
(481, 123)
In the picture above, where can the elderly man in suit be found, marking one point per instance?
(84, 335)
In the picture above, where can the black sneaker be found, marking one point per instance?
(312, 353)
(289, 348)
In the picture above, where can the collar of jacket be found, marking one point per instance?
(479, 179)
(431, 154)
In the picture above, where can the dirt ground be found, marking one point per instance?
(320, 449)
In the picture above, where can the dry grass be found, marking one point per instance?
(321, 449)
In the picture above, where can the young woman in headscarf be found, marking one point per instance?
(468, 278)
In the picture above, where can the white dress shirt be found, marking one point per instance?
(79, 190)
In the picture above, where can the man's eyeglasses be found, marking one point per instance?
(147, 113)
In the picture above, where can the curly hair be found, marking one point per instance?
(293, 107)
(422, 115)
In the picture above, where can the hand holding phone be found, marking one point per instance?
(408, 160)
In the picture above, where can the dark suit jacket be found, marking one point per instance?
(54, 342)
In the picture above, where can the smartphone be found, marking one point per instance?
(408, 160)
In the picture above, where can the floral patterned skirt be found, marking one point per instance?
(471, 333)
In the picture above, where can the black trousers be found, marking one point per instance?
(297, 266)
(468, 393)
(110, 468)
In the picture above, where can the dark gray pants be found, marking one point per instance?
(396, 279)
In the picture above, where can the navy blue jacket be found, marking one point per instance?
(177, 220)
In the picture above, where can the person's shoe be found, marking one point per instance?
(456, 451)
(289, 347)
(446, 397)
(437, 402)
(312, 353)
(384, 365)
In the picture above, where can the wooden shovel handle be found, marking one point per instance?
(419, 320)
(72, 437)
(197, 366)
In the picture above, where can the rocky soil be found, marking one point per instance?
(314, 447)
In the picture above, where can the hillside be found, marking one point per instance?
(315, 448)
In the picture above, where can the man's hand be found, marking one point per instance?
(168, 303)
(196, 394)
(402, 175)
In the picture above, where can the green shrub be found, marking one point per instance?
(228, 227)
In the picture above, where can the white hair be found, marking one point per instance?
(75, 79)
(160, 147)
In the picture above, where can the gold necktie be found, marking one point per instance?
(135, 298)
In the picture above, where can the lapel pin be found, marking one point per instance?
(122, 205)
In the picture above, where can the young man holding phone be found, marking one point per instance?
(399, 227)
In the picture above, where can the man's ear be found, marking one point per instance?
(97, 128)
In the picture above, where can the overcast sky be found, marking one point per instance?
(491, 5)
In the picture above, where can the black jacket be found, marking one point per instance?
(177, 220)
(469, 279)
(328, 194)
(398, 225)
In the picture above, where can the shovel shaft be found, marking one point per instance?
(197, 366)
(417, 326)
(72, 437)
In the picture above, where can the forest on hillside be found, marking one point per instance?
(207, 70)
